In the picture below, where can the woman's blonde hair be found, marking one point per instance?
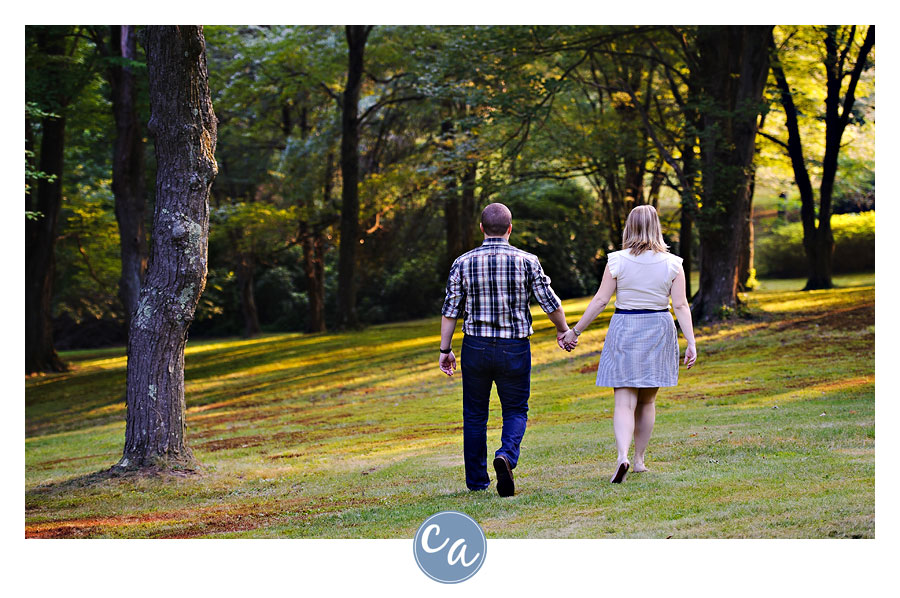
(642, 231)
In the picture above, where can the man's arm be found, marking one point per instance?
(549, 301)
(453, 301)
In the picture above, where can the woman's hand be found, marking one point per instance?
(690, 355)
(569, 340)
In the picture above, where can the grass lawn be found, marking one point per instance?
(359, 435)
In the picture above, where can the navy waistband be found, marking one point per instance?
(640, 311)
(495, 340)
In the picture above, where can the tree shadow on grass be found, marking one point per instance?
(97, 478)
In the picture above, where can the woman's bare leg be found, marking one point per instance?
(644, 417)
(623, 420)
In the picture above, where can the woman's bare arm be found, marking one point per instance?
(683, 313)
(596, 306)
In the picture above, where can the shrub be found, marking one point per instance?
(781, 254)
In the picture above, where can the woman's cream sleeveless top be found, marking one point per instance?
(643, 281)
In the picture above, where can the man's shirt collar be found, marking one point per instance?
(495, 241)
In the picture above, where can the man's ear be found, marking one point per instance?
(509, 230)
(481, 226)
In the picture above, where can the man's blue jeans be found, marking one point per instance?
(484, 361)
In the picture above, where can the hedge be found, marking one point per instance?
(780, 254)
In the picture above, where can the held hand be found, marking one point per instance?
(560, 335)
(570, 340)
(690, 356)
(447, 363)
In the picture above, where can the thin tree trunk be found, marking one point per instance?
(733, 64)
(837, 116)
(818, 242)
(184, 129)
(798, 162)
(745, 267)
(688, 205)
(128, 169)
(314, 257)
(40, 233)
(245, 271)
(40, 253)
(356, 43)
(468, 221)
(314, 269)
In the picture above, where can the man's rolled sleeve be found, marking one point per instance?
(455, 295)
(540, 286)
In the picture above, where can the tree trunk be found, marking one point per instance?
(688, 209)
(733, 64)
(128, 170)
(40, 234)
(836, 120)
(356, 43)
(245, 271)
(468, 221)
(745, 265)
(40, 253)
(314, 268)
(818, 242)
(183, 125)
(798, 162)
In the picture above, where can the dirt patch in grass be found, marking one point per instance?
(236, 442)
(589, 368)
(189, 523)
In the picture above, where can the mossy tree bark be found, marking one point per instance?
(183, 125)
(733, 64)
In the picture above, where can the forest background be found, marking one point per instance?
(568, 126)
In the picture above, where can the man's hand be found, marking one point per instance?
(447, 363)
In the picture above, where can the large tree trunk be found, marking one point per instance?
(451, 205)
(733, 63)
(40, 233)
(183, 125)
(356, 43)
(128, 169)
(245, 271)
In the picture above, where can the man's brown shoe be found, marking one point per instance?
(505, 484)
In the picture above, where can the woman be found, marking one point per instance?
(640, 353)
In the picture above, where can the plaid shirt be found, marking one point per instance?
(493, 284)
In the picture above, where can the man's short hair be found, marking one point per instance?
(495, 219)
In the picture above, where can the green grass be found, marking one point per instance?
(358, 435)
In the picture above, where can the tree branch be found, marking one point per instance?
(773, 139)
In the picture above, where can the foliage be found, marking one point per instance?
(780, 253)
(549, 119)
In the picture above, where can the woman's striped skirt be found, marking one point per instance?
(640, 351)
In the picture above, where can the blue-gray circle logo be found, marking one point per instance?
(450, 547)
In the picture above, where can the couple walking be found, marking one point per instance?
(491, 287)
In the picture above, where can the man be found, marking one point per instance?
(492, 285)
